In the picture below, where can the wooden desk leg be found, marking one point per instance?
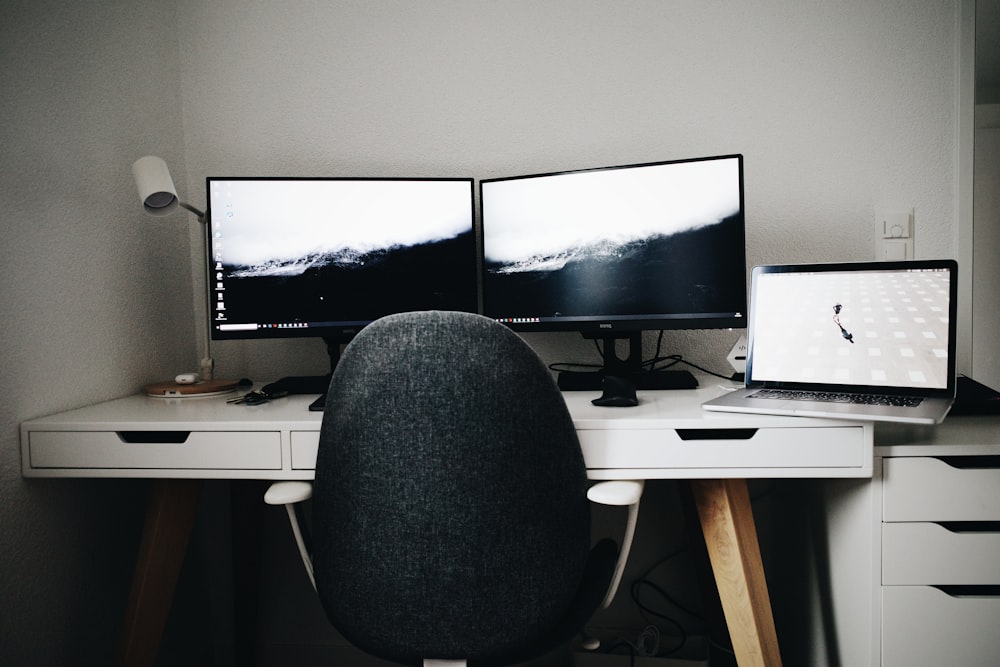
(170, 515)
(247, 514)
(731, 538)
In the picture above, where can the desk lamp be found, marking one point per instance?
(159, 197)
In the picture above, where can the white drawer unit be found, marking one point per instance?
(847, 447)
(940, 561)
(144, 437)
(926, 488)
(941, 555)
(305, 447)
(925, 626)
(673, 450)
(151, 450)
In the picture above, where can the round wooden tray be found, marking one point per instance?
(198, 389)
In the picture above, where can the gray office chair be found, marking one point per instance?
(450, 520)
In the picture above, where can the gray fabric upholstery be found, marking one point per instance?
(450, 517)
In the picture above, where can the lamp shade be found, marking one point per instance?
(156, 188)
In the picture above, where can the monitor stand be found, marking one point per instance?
(313, 384)
(630, 368)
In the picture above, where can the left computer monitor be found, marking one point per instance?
(325, 256)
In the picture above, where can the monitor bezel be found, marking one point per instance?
(342, 330)
(614, 326)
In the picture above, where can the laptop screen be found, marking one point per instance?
(875, 324)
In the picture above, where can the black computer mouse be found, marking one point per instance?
(617, 392)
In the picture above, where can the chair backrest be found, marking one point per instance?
(450, 515)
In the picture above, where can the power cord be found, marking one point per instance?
(650, 612)
(647, 611)
(655, 363)
(676, 359)
(646, 645)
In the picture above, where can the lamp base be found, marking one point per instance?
(196, 390)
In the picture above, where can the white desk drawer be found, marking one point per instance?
(305, 446)
(787, 447)
(922, 625)
(791, 447)
(183, 450)
(928, 489)
(926, 553)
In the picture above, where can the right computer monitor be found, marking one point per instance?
(613, 251)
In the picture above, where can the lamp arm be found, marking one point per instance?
(206, 367)
(201, 214)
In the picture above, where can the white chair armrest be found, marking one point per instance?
(283, 493)
(621, 493)
(287, 494)
(618, 492)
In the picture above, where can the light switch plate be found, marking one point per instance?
(894, 235)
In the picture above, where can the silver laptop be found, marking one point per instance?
(866, 341)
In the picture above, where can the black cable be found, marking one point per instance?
(631, 651)
(677, 359)
(666, 596)
(647, 611)
(650, 365)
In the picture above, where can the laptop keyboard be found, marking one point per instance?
(838, 397)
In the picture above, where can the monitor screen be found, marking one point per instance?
(648, 246)
(325, 256)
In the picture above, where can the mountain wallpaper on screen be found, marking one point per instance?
(698, 270)
(355, 285)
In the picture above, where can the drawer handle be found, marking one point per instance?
(716, 433)
(971, 526)
(971, 462)
(154, 437)
(975, 591)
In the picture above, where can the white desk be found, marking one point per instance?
(668, 436)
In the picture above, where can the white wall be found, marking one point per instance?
(96, 299)
(986, 251)
(841, 109)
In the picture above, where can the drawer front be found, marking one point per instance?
(929, 489)
(305, 445)
(195, 450)
(926, 553)
(833, 447)
(664, 448)
(925, 626)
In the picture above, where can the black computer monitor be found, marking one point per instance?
(325, 256)
(613, 251)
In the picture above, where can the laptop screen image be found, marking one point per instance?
(884, 326)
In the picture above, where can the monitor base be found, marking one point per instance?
(314, 384)
(629, 368)
(301, 384)
(643, 380)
